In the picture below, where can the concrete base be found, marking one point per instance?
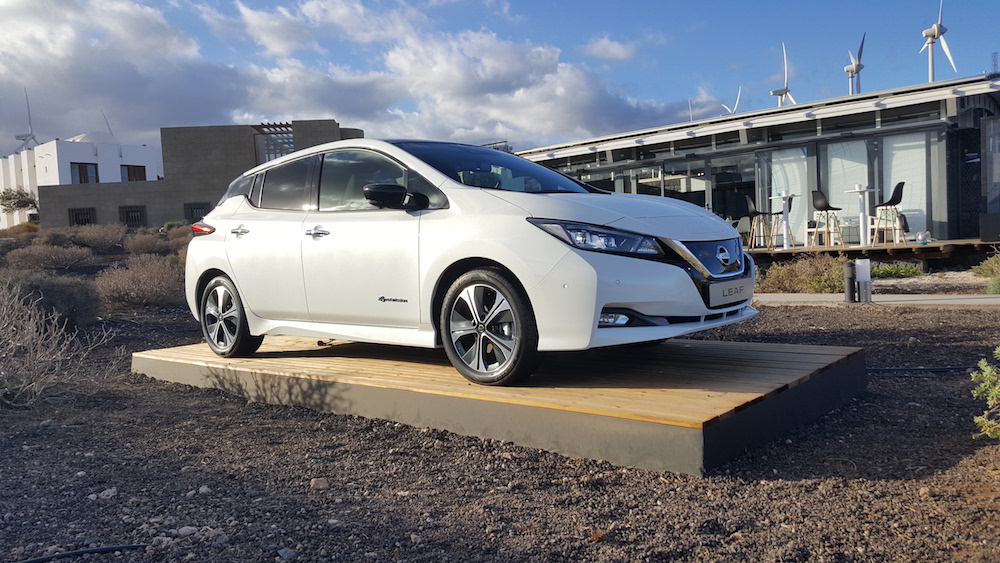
(684, 406)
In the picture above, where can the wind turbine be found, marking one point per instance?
(853, 70)
(737, 104)
(783, 93)
(30, 135)
(932, 34)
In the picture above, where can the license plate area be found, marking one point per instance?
(728, 292)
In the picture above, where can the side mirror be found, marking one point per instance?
(394, 196)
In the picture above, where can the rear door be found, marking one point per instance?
(264, 244)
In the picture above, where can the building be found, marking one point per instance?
(198, 165)
(942, 139)
(91, 158)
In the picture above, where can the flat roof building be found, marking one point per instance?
(942, 139)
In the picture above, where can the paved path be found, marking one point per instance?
(836, 299)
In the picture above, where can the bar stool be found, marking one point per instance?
(759, 226)
(889, 211)
(829, 215)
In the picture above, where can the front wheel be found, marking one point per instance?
(223, 321)
(488, 329)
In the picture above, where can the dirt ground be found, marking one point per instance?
(196, 475)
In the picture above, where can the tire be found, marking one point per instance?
(488, 329)
(223, 321)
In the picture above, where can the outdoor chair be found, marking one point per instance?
(887, 214)
(826, 220)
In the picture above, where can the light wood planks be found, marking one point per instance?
(686, 383)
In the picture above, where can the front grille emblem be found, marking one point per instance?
(723, 256)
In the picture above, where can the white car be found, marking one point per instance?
(430, 244)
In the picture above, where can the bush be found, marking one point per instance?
(146, 279)
(993, 288)
(74, 299)
(988, 378)
(178, 238)
(52, 237)
(100, 238)
(896, 270)
(810, 273)
(44, 257)
(37, 353)
(989, 268)
(18, 230)
(147, 243)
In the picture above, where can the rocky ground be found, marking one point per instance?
(195, 475)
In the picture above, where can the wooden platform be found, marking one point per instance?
(684, 405)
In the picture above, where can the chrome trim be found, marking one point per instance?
(690, 258)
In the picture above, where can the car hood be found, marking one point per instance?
(650, 215)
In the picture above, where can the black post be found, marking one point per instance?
(850, 283)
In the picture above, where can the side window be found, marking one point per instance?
(346, 173)
(287, 187)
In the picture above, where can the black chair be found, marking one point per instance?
(759, 226)
(828, 218)
(888, 216)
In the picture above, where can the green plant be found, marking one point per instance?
(993, 287)
(810, 273)
(45, 257)
(37, 352)
(896, 270)
(100, 238)
(146, 279)
(147, 243)
(989, 268)
(988, 378)
(73, 298)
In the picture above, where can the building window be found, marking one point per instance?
(134, 216)
(82, 216)
(194, 212)
(83, 172)
(131, 173)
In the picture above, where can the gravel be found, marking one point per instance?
(166, 472)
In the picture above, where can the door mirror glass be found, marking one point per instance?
(394, 196)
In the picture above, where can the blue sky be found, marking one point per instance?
(533, 73)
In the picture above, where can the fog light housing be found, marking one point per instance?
(612, 319)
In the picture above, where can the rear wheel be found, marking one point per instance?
(488, 329)
(223, 321)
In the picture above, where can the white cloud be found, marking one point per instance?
(605, 48)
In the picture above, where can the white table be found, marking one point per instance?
(863, 230)
(786, 230)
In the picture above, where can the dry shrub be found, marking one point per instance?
(100, 238)
(146, 279)
(52, 237)
(989, 268)
(810, 273)
(147, 243)
(37, 352)
(178, 238)
(45, 257)
(18, 230)
(73, 298)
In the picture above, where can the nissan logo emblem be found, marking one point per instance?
(723, 255)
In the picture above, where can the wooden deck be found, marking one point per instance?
(685, 405)
(910, 250)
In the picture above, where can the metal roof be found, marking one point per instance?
(810, 111)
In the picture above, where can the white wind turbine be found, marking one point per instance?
(783, 93)
(30, 135)
(853, 70)
(737, 104)
(932, 34)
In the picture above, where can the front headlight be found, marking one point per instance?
(600, 239)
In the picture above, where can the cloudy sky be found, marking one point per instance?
(531, 72)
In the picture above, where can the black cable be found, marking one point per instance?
(947, 369)
(68, 554)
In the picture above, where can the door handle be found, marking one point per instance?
(317, 232)
(240, 231)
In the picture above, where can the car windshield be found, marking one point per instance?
(483, 167)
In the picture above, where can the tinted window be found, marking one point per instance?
(346, 173)
(286, 187)
(239, 186)
(483, 167)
